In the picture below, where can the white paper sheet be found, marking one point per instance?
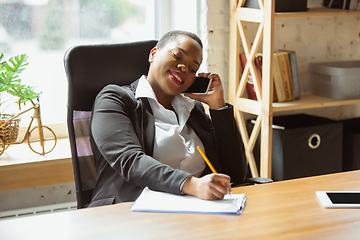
(152, 201)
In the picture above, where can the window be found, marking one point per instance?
(45, 29)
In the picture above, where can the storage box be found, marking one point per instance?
(351, 144)
(336, 79)
(303, 146)
(282, 5)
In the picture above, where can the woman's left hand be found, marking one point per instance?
(214, 99)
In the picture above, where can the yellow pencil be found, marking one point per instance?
(208, 162)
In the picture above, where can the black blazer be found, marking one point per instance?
(122, 139)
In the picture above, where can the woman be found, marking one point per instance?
(146, 134)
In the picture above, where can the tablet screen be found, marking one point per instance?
(344, 198)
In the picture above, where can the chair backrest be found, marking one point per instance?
(89, 68)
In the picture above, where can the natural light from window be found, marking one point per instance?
(45, 29)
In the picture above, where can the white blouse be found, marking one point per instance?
(175, 142)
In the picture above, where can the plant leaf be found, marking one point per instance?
(2, 63)
(18, 62)
(10, 81)
(25, 93)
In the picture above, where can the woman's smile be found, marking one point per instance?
(176, 77)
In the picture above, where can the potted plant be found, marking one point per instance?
(10, 83)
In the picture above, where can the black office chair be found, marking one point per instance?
(89, 68)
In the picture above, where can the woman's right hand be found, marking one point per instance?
(209, 187)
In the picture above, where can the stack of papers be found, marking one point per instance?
(152, 201)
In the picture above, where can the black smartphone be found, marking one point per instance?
(201, 85)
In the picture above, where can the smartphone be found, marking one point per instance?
(201, 85)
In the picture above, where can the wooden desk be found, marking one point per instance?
(280, 210)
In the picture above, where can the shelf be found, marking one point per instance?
(256, 15)
(318, 12)
(307, 101)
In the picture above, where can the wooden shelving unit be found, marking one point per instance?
(305, 102)
(264, 107)
(318, 12)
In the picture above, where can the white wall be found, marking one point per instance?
(38, 196)
(214, 31)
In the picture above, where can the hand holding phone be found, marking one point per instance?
(214, 96)
(201, 85)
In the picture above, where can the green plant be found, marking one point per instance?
(10, 81)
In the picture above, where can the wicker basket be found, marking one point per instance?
(9, 129)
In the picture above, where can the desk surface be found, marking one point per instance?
(279, 210)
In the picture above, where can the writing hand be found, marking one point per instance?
(209, 187)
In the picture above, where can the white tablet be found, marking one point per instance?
(339, 199)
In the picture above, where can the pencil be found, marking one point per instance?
(208, 162)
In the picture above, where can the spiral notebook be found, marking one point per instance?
(153, 201)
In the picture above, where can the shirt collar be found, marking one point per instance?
(144, 89)
(182, 104)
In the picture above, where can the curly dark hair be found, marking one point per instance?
(173, 35)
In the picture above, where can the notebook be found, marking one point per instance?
(153, 201)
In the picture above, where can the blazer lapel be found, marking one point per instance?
(148, 127)
(199, 123)
(144, 116)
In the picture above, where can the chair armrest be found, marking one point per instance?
(252, 181)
